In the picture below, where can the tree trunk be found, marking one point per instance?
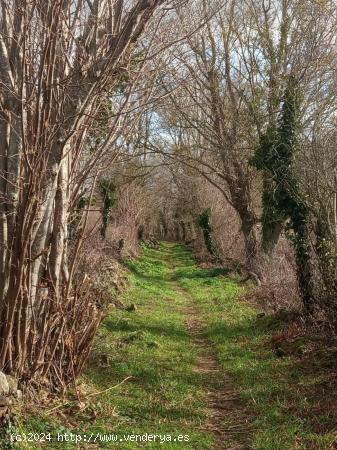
(239, 187)
(271, 236)
(250, 239)
(271, 227)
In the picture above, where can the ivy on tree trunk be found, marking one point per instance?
(204, 222)
(284, 202)
(107, 191)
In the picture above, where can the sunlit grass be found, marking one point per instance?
(165, 395)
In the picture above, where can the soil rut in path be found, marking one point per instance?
(228, 418)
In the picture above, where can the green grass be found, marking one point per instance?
(165, 394)
(267, 383)
(151, 344)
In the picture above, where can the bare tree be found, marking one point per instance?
(232, 76)
(63, 63)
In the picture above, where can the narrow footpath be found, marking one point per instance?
(185, 364)
(227, 418)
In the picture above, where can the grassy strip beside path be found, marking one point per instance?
(272, 386)
(167, 394)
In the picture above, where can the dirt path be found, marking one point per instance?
(228, 418)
